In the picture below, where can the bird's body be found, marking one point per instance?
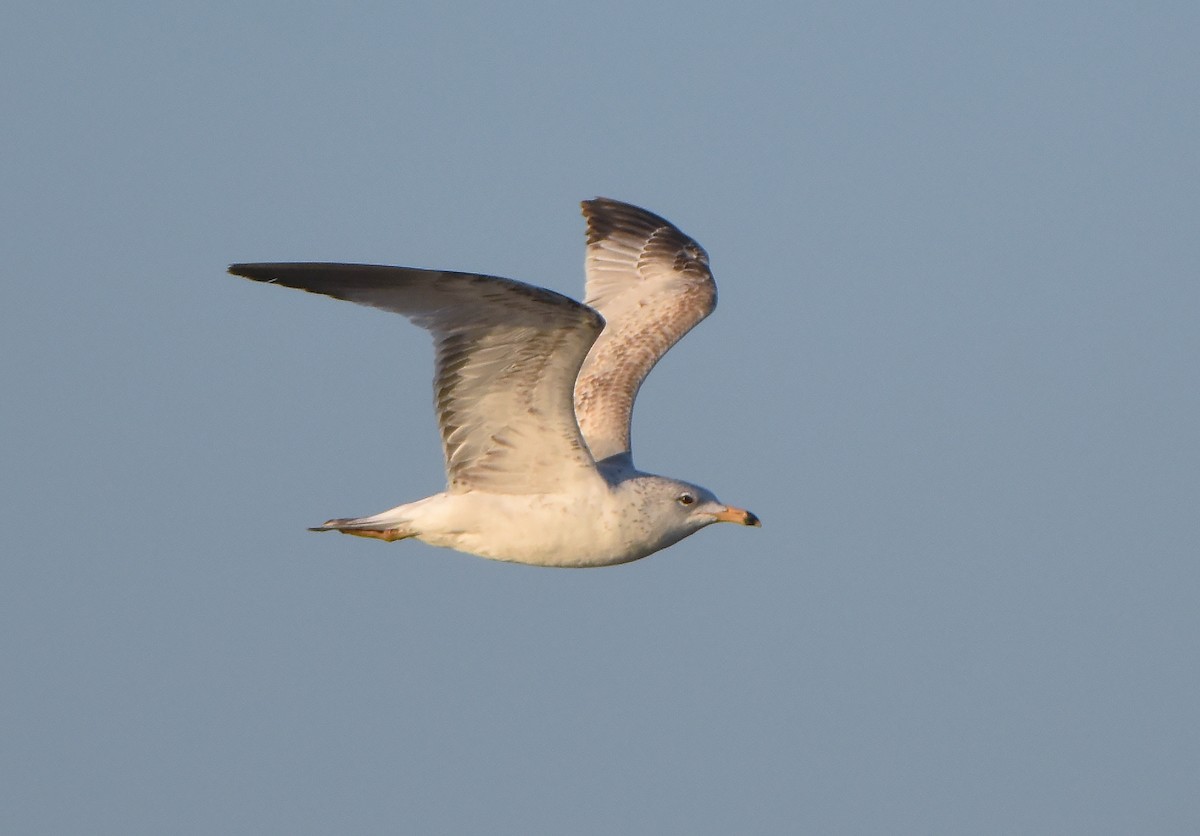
(534, 394)
(593, 524)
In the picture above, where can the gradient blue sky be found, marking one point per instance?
(954, 369)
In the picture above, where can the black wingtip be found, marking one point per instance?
(257, 272)
(605, 215)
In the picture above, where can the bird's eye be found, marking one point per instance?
(685, 498)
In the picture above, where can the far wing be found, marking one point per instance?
(507, 355)
(652, 285)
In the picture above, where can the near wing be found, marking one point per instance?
(507, 355)
(652, 285)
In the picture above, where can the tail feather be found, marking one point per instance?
(372, 527)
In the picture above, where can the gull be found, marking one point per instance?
(534, 394)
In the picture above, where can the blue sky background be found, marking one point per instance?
(954, 369)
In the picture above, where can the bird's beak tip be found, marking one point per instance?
(739, 516)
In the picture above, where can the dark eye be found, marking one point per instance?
(685, 498)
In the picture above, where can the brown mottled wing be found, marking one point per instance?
(507, 355)
(652, 285)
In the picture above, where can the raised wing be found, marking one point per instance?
(507, 355)
(652, 285)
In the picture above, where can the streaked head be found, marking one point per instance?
(675, 509)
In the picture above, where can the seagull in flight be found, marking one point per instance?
(534, 393)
